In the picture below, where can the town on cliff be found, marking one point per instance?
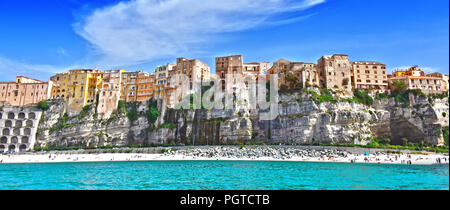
(332, 102)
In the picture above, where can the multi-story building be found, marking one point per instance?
(145, 86)
(194, 70)
(129, 86)
(369, 75)
(161, 76)
(232, 64)
(255, 69)
(78, 87)
(295, 74)
(109, 95)
(415, 78)
(24, 91)
(445, 79)
(334, 72)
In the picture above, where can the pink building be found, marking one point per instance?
(24, 91)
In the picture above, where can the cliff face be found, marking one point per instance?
(88, 129)
(301, 120)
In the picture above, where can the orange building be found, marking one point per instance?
(145, 86)
(25, 91)
(415, 78)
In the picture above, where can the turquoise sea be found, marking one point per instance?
(222, 175)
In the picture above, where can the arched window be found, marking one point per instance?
(18, 124)
(23, 148)
(11, 115)
(4, 140)
(12, 148)
(14, 140)
(24, 140)
(16, 131)
(27, 131)
(21, 115)
(6, 132)
(8, 123)
(32, 115)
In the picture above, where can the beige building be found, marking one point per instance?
(25, 91)
(369, 75)
(415, 78)
(161, 76)
(445, 79)
(194, 70)
(255, 68)
(295, 74)
(109, 95)
(334, 72)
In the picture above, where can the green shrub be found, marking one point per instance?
(168, 125)
(445, 133)
(121, 107)
(381, 96)
(133, 114)
(44, 105)
(363, 98)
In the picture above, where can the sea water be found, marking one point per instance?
(222, 175)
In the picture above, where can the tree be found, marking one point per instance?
(399, 87)
(44, 105)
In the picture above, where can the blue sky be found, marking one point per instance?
(41, 37)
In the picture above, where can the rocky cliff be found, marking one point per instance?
(301, 120)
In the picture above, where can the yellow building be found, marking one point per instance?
(77, 87)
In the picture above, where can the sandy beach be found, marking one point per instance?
(416, 159)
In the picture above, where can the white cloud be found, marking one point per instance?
(138, 31)
(9, 69)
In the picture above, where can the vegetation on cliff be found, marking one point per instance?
(43, 105)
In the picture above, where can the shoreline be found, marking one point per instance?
(412, 159)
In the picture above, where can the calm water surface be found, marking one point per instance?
(222, 175)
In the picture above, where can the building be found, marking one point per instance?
(415, 78)
(18, 127)
(109, 95)
(145, 86)
(295, 74)
(233, 65)
(25, 91)
(334, 72)
(161, 76)
(194, 70)
(78, 87)
(255, 70)
(445, 79)
(369, 75)
(129, 86)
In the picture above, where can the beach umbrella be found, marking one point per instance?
(366, 154)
